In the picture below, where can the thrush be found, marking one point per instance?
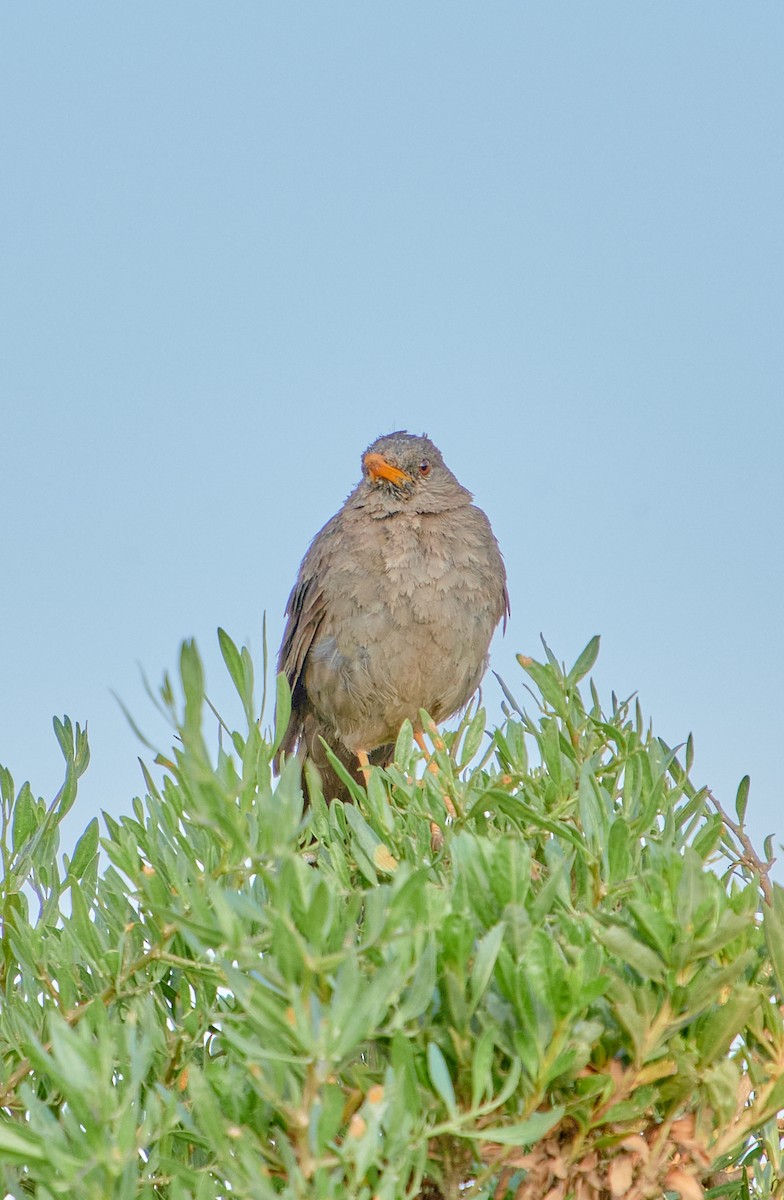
(393, 610)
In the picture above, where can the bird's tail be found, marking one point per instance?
(304, 737)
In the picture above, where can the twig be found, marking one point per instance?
(750, 857)
(109, 995)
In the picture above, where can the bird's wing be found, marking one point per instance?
(305, 612)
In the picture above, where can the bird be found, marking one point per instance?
(394, 606)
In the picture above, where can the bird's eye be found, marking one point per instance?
(424, 467)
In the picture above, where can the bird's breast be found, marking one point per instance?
(408, 620)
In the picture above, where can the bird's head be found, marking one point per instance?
(401, 470)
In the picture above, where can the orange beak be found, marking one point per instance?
(377, 467)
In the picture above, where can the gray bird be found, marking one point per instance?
(393, 610)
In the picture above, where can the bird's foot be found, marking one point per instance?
(364, 764)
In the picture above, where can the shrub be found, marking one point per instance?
(572, 989)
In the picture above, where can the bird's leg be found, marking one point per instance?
(419, 738)
(364, 764)
(432, 766)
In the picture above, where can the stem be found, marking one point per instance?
(749, 858)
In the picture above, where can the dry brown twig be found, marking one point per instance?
(749, 858)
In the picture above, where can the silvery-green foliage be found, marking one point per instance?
(571, 987)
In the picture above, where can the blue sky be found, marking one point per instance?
(240, 241)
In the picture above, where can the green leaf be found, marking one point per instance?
(742, 798)
(709, 836)
(522, 1133)
(25, 817)
(354, 789)
(231, 657)
(358, 1004)
(546, 681)
(773, 922)
(657, 931)
(440, 1077)
(85, 851)
(367, 839)
(282, 710)
(18, 1142)
(192, 676)
(240, 666)
(593, 814)
(619, 851)
(717, 1030)
(67, 794)
(584, 662)
(484, 962)
(622, 943)
(473, 738)
(552, 660)
(328, 1115)
(419, 996)
(64, 734)
(6, 786)
(404, 745)
(404, 1062)
(136, 730)
(82, 752)
(482, 1067)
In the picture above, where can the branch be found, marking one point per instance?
(749, 858)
